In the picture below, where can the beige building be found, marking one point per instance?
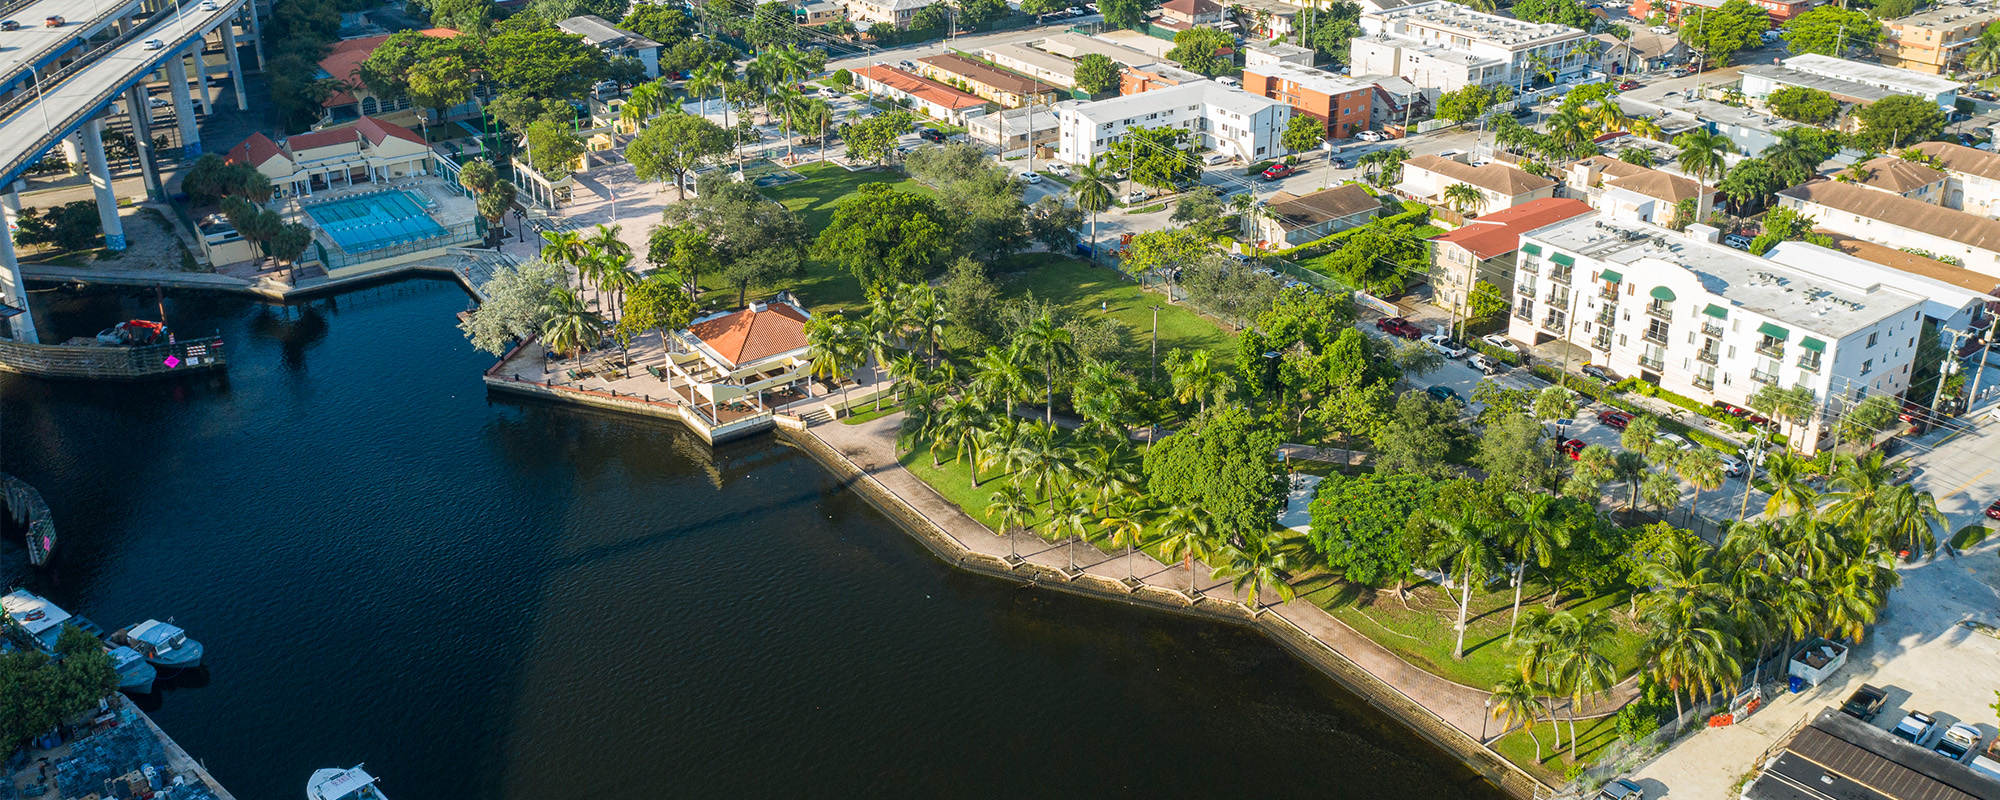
(1484, 248)
(1038, 64)
(1009, 89)
(864, 13)
(1293, 220)
(1009, 129)
(1972, 182)
(1425, 179)
(1933, 41)
(1899, 177)
(1630, 191)
(369, 151)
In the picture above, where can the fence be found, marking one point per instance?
(456, 234)
(112, 363)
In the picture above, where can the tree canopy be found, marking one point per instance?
(887, 236)
(1899, 120)
(673, 145)
(1804, 103)
(1222, 463)
(1096, 73)
(1719, 34)
(1203, 49)
(1832, 30)
(750, 239)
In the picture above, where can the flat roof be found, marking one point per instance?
(1279, 49)
(1911, 81)
(1043, 118)
(1318, 80)
(1491, 28)
(1807, 300)
(1943, 17)
(1837, 756)
(1038, 59)
(595, 30)
(1207, 93)
(1077, 45)
(1852, 91)
(22, 604)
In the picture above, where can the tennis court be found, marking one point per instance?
(375, 220)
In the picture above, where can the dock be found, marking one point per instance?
(122, 754)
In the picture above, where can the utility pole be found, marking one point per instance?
(1153, 364)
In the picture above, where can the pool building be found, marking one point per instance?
(369, 151)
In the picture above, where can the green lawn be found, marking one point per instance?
(1423, 633)
(827, 287)
(1089, 289)
(1592, 735)
(954, 481)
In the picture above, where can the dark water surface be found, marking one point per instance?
(483, 598)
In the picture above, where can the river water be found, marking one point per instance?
(484, 598)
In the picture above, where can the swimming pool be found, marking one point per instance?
(375, 220)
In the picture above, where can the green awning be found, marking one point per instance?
(1774, 331)
(1662, 293)
(1611, 275)
(1812, 344)
(1563, 260)
(1531, 249)
(1716, 311)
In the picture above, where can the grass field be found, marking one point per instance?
(827, 287)
(1083, 288)
(1592, 735)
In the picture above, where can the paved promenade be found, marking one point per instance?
(871, 447)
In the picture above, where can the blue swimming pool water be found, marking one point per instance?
(374, 221)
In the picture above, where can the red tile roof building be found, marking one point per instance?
(933, 99)
(1483, 249)
(369, 150)
(343, 63)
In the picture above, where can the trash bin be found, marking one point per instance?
(1798, 684)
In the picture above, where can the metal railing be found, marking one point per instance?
(1711, 330)
(1774, 350)
(1651, 363)
(1654, 336)
(1707, 356)
(1659, 311)
(1761, 376)
(1561, 276)
(1704, 383)
(1809, 361)
(1608, 316)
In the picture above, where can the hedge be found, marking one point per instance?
(1607, 395)
(1512, 359)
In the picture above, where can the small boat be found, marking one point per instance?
(161, 643)
(135, 676)
(342, 784)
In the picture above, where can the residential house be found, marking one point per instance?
(1899, 177)
(1180, 15)
(1781, 11)
(1848, 81)
(1155, 76)
(1838, 757)
(1264, 21)
(1630, 191)
(1291, 220)
(735, 357)
(1009, 89)
(926, 96)
(814, 13)
(1900, 222)
(1226, 120)
(1141, 42)
(1643, 51)
(1344, 105)
(1009, 130)
(343, 63)
(1934, 40)
(616, 42)
(1751, 130)
(1038, 64)
(1712, 323)
(1425, 179)
(368, 151)
(1263, 54)
(1442, 46)
(1483, 249)
(1972, 182)
(864, 13)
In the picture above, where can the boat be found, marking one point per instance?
(161, 643)
(34, 617)
(342, 784)
(135, 676)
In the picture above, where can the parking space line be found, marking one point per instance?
(1961, 487)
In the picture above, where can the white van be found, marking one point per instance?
(1986, 766)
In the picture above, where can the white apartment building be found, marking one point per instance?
(1903, 223)
(895, 12)
(1440, 46)
(1848, 81)
(1226, 120)
(1972, 177)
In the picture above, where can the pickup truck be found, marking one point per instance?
(1865, 703)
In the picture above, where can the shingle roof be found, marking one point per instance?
(1892, 174)
(1900, 211)
(1327, 204)
(1192, 8)
(982, 72)
(1959, 158)
(1650, 182)
(1499, 233)
(343, 62)
(1493, 176)
(1912, 263)
(753, 334)
(919, 87)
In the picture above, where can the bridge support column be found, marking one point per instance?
(72, 150)
(138, 107)
(100, 181)
(201, 74)
(256, 30)
(11, 282)
(235, 64)
(183, 109)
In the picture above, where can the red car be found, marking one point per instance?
(1628, 86)
(1572, 448)
(1397, 326)
(1994, 510)
(1276, 171)
(1615, 419)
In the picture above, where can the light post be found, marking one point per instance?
(1153, 364)
(1483, 719)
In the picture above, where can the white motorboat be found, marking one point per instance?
(342, 784)
(40, 619)
(161, 643)
(134, 674)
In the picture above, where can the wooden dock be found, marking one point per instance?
(88, 362)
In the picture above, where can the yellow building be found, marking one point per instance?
(1934, 41)
(369, 151)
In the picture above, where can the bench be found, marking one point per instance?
(657, 372)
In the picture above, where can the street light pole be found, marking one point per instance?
(1153, 364)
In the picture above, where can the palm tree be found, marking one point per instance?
(1630, 466)
(925, 317)
(1195, 378)
(564, 247)
(645, 102)
(1908, 521)
(1000, 378)
(1796, 155)
(1515, 697)
(613, 275)
(816, 113)
(834, 348)
(1072, 522)
(1984, 55)
(1464, 198)
(1053, 345)
(1858, 485)
(1686, 653)
(1463, 547)
(1185, 533)
(1535, 534)
(1261, 561)
(1092, 186)
(1702, 469)
(1702, 151)
(1104, 396)
(1584, 667)
(570, 328)
(1122, 522)
(1789, 493)
(712, 77)
(1013, 510)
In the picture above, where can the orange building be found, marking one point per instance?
(1341, 102)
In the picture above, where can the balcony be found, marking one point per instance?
(1525, 313)
(1609, 292)
(1654, 364)
(1711, 330)
(1705, 384)
(1761, 376)
(1655, 336)
(1602, 343)
(1524, 289)
(1660, 311)
(1560, 275)
(1772, 349)
(1559, 301)
(1708, 356)
(1809, 361)
(1553, 322)
(1608, 315)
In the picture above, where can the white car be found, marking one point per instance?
(1915, 728)
(1137, 196)
(1369, 136)
(1059, 170)
(1228, 81)
(1959, 741)
(1662, 30)
(208, 5)
(1673, 440)
(155, 44)
(828, 92)
(159, 102)
(1486, 366)
(1031, 177)
(1445, 345)
(1215, 158)
(1501, 342)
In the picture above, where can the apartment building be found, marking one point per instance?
(1038, 64)
(1292, 220)
(1714, 323)
(1425, 179)
(1630, 191)
(1341, 103)
(1483, 249)
(1900, 177)
(1848, 81)
(811, 13)
(1180, 15)
(864, 13)
(1441, 46)
(923, 95)
(1972, 177)
(616, 42)
(1264, 54)
(1900, 222)
(1781, 11)
(1074, 46)
(1011, 130)
(1155, 76)
(1009, 89)
(1223, 119)
(1932, 41)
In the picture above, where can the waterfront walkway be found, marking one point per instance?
(870, 446)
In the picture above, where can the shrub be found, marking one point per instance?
(842, 78)
(1258, 168)
(1490, 351)
(1327, 243)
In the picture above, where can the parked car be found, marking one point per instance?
(1617, 420)
(53, 21)
(1059, 170)
(1340, 163)
(1628, 86)
(1485, 365)
(1276, 171)
(828, 92)
(1399, 327)
(1137, 196)
(1958, 741)
(1444, 394)
(1662, 30)
(1865, 703)
(1501, 342)
(1370, 136)
(1915, 728)
(1733, 467)
(1573, 448)
(1993, 510)
(155, 44)
(931, 135)
(1737, 241)
(1599, 373)
(1213, 159)
(1621, 789)
(1445, 345)
(1031, 177)
(909, 65)
(9, 25)
(1673, 440)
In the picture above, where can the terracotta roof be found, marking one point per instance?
(753, 334)
(1493, 176)
(1295, 211)
(1914, 264)
(1900, 211)
(325, 138)
(981, 72)
(1645, 180)
(255, 150)
(1892, 174)
(377, 130)
(1959, 158)
(919, 87)
(343, 62)
(1192, 8)
(1499, 233)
